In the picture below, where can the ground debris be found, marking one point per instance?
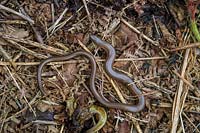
(154, 46)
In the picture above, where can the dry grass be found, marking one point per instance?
(160, 55)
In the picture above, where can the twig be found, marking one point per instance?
(177, 98)
(182, 124)
(54, 26)
(138, 32)
(4, 119)
(7, 57)
(132, 117)
(24, 109)
(192, 45)
(26, 50)
(99, 5)
(83, 46)
(16, 13)
(62, 46)
(130, 5)
(191, 122)
(167, 91)
(20, 22)
(37, 35)
(45, 122)
(156, 26)
(62, 128)
(142, 59)
(184, 80)
(76, 61)
(88, 13)
(56, 2)
(116, 87)
(22, 91)
(50, 49)
(53, 13)
(60, 25)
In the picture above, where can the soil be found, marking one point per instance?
(155, 46)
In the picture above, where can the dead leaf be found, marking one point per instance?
(124, 127)
(126, 40)
(69, 70)
(166, 34)
(19, 33)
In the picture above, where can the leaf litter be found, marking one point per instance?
(154, 46)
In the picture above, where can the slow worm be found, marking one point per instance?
(108, 67)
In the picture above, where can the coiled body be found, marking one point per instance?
(108, 66)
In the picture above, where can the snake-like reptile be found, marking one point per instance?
(109, 70)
